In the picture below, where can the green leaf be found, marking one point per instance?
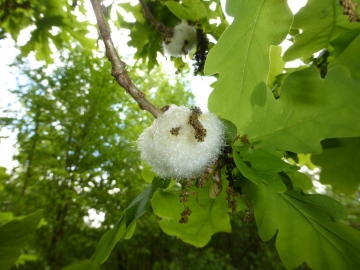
(320, 22)
(162, 183)
(349, 58)
(193, 12)
(260, 167)
(276, 66)
(306, 228)
(339, 162)
(299, 180)
(5, 216)
(247, 171)
(147, 173)
(13, 237)
(83, 265)
(339, 44)
(137, 207)
(147, 40)
(131, 230)
(208, 217)
(125, 226)
(136, 11)
(309, 110)
(230, 131)
(241, 56)
(108, 241)
(305, 160)
(24, 258)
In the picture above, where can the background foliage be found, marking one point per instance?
(76, 131)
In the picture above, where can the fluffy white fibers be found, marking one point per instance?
(182, 41)
(170, 148)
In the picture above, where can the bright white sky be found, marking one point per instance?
(199, 85)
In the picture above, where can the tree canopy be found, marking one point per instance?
(80, 195)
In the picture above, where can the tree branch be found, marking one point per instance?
(158, 24)
(118, 67)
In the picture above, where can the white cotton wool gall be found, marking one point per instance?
(182, 41)
(169, 145)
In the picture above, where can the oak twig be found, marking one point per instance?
(158, 24)
(118, 66)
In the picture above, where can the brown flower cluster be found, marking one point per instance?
(200, 131)
(350, 10)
